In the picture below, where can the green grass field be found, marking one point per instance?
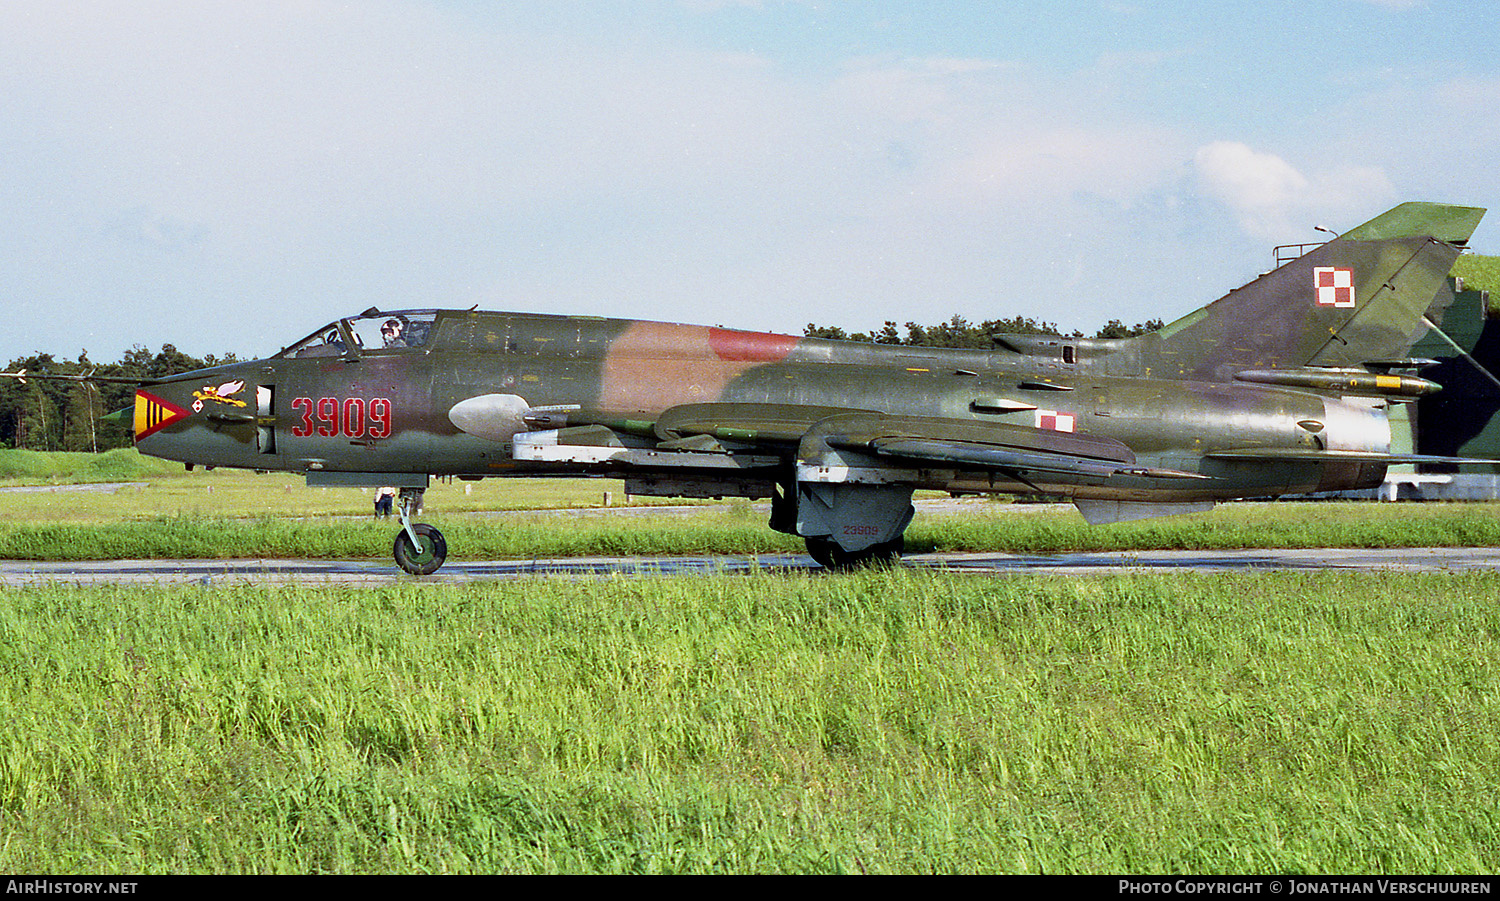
(889, 721)
(739, 529)
(883, 722)
(155, 488)
(1479, 271)
(236, 514)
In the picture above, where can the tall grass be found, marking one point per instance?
(738, 529)
(246, 495)
(1478, 271)
(37, 467)
(231, 514)
(1252, 525)
(885, 722)
(473, 538)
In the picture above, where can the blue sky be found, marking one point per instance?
(229, 176)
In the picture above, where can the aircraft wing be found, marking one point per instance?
(748, 422)
(913, 441)
(968, 455)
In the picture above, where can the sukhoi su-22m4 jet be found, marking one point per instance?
(1279, 387)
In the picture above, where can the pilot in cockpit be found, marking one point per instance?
(391, 333)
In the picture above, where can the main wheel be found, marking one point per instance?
(427, 556)
(827, 553)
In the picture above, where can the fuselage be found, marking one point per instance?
(320, 407)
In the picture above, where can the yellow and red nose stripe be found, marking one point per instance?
(153, 414)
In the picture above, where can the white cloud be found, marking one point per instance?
(1259, 187)
(1274, 201)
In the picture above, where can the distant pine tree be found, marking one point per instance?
(52, 415)
(959, 332)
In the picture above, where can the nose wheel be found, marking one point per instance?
(420, 548)
(423, 556)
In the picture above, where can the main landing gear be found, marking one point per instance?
(847, 526)
(420, 548)
(828, 554)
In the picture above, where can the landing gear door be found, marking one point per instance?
(265, 419)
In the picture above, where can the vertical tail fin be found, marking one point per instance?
(1359, 297)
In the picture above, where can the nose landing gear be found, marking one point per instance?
(420, 548)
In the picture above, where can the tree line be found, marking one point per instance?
(46, 415)
(959, 332)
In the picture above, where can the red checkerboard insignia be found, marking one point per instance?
(1335, 287)
(1057, 422)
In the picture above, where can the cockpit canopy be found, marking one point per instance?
(370, 332)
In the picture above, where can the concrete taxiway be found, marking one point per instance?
(362, 572)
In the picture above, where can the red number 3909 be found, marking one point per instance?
(354, 417)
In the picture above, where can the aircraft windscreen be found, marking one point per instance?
(387, 331)
(325, 342)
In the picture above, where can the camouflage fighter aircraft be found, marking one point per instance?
(1279, 387)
